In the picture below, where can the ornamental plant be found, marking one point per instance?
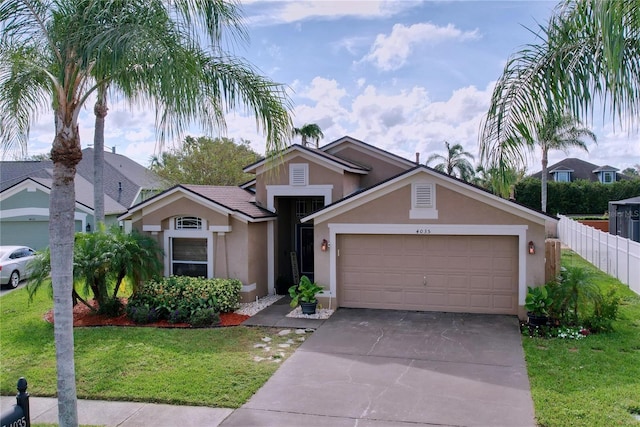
(305, 292)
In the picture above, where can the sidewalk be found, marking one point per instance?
(44, 410)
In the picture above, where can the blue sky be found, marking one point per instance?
(402, 75)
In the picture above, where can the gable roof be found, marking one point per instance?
(318, 154)
(233, 201)
(335, 146)
(124, 179)
(83, 190)
(455, 183)
(579, 169)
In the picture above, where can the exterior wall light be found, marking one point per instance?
(532, 248)
(324, 245)
(88, 228)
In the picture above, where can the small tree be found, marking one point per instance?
(455, 162)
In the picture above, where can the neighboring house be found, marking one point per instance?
(375, 229)
(624, 218)
(25, 187)
(571, 169)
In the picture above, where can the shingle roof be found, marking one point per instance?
(123, 178)
(233, 198)
(580, 169)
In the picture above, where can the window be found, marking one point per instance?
(563, 176)
(298, 174)
(188, 223)
(607, 177)
(189, 257)
(423, 201)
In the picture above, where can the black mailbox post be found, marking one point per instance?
(18, 416)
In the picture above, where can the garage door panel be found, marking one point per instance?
(463, 273)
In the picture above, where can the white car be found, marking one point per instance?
(13, 264)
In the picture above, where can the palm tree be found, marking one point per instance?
(587, 56)
(50, 55)
(310, 131)
(558, 132)
(455, 162)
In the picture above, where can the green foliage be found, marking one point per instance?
(538, 301)
(204, 317)
(179, 298)
(142, 313)
(304, 292)
(102, 260)
(206, 161)
(578, 197)
(111, 307)
(604, 313)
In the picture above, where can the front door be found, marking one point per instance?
(304, 248)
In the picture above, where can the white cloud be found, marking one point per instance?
(294, 11)
(390, 52)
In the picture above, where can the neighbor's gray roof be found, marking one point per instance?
(631, 201)
(119, 172)
(580, 169)
(233, 198)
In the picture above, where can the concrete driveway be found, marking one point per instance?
(373, 368)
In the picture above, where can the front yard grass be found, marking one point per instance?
(207, 367)
(593, 381)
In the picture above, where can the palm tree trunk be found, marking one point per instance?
(543, 179)
(65, 154)
(100, 111)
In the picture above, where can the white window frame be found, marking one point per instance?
(605, 174)
(180, 220)
(562, 176)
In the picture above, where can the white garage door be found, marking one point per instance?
(471, 274)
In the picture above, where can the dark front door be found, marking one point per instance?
(304, 248)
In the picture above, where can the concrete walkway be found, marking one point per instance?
(123, 414)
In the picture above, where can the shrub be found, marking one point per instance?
(142, 314)
(204, 317)
(177, 298)
(604, 313)
(111, 307)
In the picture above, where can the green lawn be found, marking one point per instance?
(594, 381)
(210, 367)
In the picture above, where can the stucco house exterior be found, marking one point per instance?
(374, 229)
(25, 187)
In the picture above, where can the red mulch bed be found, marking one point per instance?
(83, 316)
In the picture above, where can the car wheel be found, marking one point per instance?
(14, 280)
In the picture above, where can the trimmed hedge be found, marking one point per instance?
(578, 197)
(185, 299)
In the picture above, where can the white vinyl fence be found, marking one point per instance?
(615, 255)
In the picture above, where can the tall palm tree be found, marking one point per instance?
(587, 56)
(310, 131)
(558, 132)
(51, 53)
(455, 162)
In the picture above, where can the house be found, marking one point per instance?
(25, 187)
(571, 169)
(375, 229)
(624, 218)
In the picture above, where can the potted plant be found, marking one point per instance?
(305, 295)
(537, 304)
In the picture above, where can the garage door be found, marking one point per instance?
(472, 274)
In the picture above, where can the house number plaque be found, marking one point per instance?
(423, 231)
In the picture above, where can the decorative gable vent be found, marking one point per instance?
(298, 174)
(423, 201)
(423, 195)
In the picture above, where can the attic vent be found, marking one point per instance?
(423, 201)
(423, 195)
(298, 174)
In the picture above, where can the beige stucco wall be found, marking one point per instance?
(182, 206)
(452, 207)
(246, 245)
(380, 169)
